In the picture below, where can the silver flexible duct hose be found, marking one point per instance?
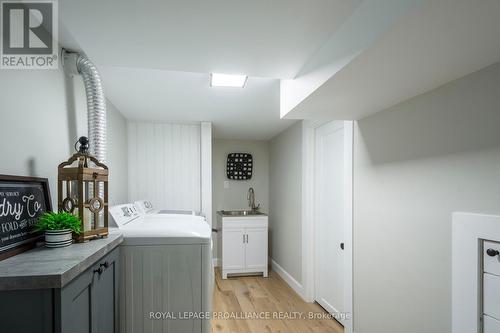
(96, 119)
(96, 107)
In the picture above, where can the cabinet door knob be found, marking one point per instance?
(342, 246)
(492, 252)
(101, 268)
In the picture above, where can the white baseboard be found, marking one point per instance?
(216, 262)
(294, 284)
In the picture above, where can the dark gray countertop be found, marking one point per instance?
(42, 267)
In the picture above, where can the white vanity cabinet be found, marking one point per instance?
(491, 287)
(243, 244)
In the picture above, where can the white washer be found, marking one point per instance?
(146, 207)
(166, 280)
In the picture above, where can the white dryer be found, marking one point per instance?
(166, 280)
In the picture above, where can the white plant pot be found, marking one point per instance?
(58, 238)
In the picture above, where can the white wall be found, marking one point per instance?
(117, 160)
(41, 119)
(34, 124)
(164, 164)
(285, 222)
(235, 197)
(415, 164)
(206, 170)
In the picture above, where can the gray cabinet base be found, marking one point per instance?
(87, 304)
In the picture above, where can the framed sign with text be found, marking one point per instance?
(22, 201)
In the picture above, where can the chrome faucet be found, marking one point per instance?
(251, 200)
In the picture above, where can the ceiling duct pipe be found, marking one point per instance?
(79, 64)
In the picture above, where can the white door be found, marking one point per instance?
(233, 248)
(329, 217)
(256, 248)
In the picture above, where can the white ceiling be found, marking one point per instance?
(250, 113)
(149, 53)
(155, 56)
(439, 41)
(260, 37)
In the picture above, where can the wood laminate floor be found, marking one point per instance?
(257, 297)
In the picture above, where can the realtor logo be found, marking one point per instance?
(29, 35)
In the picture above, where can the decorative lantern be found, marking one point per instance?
(83, 191)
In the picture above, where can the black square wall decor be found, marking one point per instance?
(239, 166)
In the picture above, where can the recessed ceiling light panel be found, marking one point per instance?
(227, 80)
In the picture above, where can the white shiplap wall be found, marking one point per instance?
(164, 164)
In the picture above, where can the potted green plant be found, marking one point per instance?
(58, 228)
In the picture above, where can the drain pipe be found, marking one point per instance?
(78, 64)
